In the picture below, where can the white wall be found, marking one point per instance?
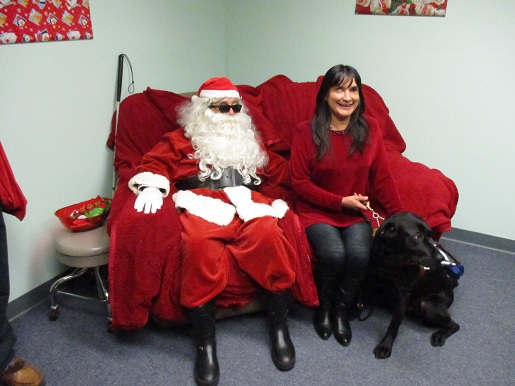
(57, 102)
(449, 82)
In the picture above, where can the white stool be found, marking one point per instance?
(82, 251)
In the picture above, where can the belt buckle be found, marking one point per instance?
(227, 179)
(232, 176)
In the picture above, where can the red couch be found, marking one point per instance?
(144, 269)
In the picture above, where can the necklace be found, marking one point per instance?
(337, 132)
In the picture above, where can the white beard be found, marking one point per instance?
(221, 141)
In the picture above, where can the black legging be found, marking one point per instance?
(341, 252)
(7, 337)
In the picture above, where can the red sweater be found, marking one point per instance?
(321, 185)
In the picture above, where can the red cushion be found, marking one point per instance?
(167, 102)
(375, 107)
(286, 104)
(252, 99)
(140, 126)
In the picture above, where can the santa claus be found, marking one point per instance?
(217, 162)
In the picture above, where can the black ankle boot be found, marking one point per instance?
(341, 326)
(283, 351)
(344, 310)
(322, 319)
(207, 371)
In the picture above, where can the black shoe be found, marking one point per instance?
(207, 370)
(283, 351)
(341, 328)
(322, 322)
(344, 309)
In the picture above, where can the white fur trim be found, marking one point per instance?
(208, 208)
(219, 94)
(247, 209)
(281, 207)
(194, 98)
(150, 179)
(239, 195)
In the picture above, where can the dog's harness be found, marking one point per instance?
(452, 265)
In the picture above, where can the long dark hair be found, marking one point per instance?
(357, 128)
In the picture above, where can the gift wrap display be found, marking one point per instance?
(28, 21)
(402, 7)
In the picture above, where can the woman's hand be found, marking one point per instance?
(356, 201)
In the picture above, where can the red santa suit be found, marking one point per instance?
(233, 221)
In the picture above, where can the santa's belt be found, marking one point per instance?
(230, 177)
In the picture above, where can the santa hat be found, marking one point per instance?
(219, 88)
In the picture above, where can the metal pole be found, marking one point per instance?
(118, 98)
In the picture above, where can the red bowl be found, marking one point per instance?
(85, 215)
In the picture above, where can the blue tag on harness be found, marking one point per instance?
(455, 271)
(452, 265)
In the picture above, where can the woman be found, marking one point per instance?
(338, 160)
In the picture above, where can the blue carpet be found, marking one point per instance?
(76, 349)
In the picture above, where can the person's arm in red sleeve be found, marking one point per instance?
(12, 200)
(157, 169)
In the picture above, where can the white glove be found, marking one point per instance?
(149, 200)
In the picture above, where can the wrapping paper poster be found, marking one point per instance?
(28, 21)
(402, 7)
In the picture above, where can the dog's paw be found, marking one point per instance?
(438, 339)
(382, 351)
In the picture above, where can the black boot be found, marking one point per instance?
(207, 371)
(345, 309)
(283, 351)
(322, 320)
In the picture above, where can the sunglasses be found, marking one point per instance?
(225, 108)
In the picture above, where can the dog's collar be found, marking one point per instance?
(407, 262)
(423, 270)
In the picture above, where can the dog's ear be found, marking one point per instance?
(424, 229)
(429, 232)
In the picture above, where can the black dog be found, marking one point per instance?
(406, 277)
